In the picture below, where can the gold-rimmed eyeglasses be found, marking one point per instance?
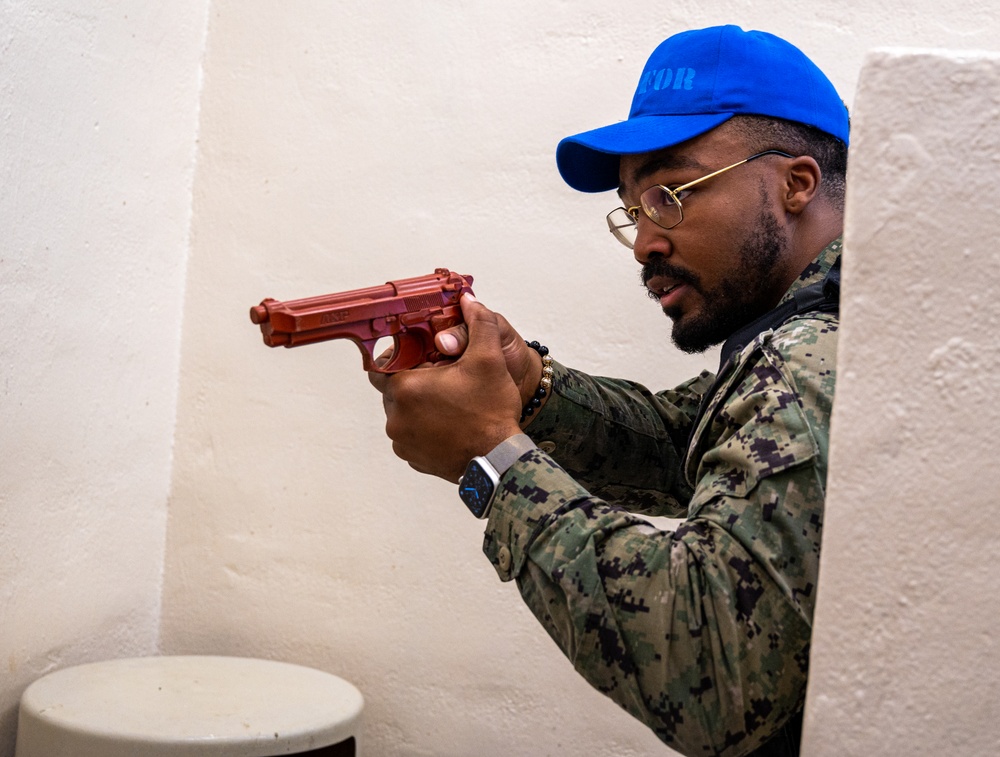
(663, 205)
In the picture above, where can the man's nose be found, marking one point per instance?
(650, 240)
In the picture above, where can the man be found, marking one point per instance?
(730, 170)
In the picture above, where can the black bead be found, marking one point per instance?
(540, 393)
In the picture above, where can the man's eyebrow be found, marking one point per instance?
(660, 162)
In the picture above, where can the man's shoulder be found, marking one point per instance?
(805, 337)
(803, 352)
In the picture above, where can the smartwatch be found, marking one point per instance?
(478, 486)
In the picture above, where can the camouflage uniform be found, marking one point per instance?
(702, 633)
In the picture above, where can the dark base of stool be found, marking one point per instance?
(346, 748)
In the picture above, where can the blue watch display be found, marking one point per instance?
(478, 486)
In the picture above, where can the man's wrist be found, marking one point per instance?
(508, 452)
(480, 485)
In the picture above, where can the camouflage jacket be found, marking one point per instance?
(703, 632)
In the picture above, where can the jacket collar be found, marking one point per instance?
(817, 270)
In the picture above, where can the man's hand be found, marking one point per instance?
(441, 416)
(523, 364)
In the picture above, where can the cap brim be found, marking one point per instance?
(588, 162)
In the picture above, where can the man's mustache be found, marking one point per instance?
(659, 267)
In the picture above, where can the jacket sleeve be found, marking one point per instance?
(701, 633)
(619, 440)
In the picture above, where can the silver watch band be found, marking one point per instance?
(507, 452)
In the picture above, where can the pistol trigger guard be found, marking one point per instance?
(409, 350)
(394, 363)
(367, 347)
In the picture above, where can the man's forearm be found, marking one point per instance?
(617, 439)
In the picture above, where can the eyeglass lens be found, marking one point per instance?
(622, 225)
(657, 204)
(661, 206)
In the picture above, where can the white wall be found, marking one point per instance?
(98, 114)
(344, 144)
(905, 656)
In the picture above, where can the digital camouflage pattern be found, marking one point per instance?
(702, 633)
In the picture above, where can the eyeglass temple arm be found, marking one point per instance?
(727, 168)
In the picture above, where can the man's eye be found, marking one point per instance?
(662, 197)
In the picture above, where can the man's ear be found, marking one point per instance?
(802, 182)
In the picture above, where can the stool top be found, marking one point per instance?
(210, 705)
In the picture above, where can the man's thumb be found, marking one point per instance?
(452, 342)
(484, 331)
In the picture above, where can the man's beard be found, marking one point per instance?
(741, 297)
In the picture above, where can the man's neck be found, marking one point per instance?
(814, 231)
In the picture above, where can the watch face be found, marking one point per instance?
(476, 488)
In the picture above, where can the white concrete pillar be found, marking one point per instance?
(906, 648)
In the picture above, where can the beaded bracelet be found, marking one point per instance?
(544, 385)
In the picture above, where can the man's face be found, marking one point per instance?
(726, 263)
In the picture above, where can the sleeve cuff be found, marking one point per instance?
(533, 489)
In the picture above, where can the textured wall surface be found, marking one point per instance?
(98, 116)
(905, 652)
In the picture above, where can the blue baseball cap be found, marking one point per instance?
(695, 81)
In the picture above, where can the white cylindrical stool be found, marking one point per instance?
(192, 705)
